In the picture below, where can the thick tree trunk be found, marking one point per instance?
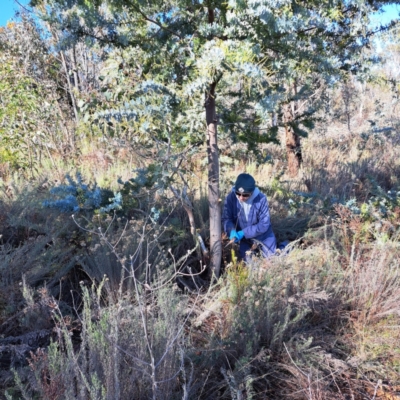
(293, 144)
(213, 183)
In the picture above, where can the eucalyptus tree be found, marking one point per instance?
(242, 68)
(68, 65)
(31, 113)
(40, 85)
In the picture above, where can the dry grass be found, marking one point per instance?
(321, 322)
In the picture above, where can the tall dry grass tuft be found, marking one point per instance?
(34, 246)
(373, 276)
(342, 166)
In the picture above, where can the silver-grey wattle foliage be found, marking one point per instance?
(115, 204)
(74, 196)
(153, 100)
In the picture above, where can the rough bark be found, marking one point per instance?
(213, 182)
(293, 144)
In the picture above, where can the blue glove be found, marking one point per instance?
(239, 236)
(232, 235)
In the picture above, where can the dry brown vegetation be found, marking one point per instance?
(117, 306)
(90, 308)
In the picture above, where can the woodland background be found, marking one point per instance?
(123, 125)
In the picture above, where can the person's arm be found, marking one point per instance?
(262, 220)
(228, 215)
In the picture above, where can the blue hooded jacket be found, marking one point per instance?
(253, 218)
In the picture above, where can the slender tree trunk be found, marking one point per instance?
(70, 90)
(213, 183)
(293, 144)
(347, 93)
(70, 86)
(213, 171)
(362, 95)
(77, 82)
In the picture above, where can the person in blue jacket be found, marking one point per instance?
(246, 218)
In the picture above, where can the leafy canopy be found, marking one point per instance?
(164, 55)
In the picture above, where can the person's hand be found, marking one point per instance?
(239, 236)
(232, 235)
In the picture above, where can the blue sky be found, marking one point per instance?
(8, 7)
(390, 12)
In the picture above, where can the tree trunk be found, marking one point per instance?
(213, 183)
(70, 86)
(70, 89)
(77, 82)
(293, 145)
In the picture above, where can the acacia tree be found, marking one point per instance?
(225, 67)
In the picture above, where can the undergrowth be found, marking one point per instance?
(317, 322)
